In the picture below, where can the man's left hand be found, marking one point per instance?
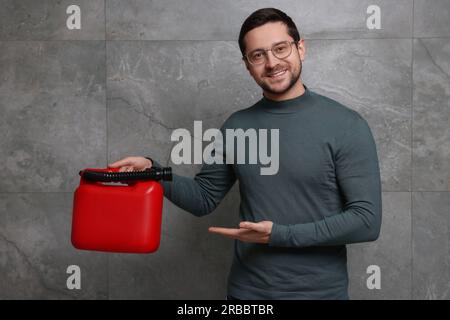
(258, 232)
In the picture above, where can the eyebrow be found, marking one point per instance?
(274, 44)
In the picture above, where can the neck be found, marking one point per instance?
(297, 90)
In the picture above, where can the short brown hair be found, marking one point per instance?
(261, 17)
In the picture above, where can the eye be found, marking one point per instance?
(257, 55)
(281, 48)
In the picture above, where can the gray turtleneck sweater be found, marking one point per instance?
(326, 194)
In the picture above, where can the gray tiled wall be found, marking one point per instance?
(71, 99)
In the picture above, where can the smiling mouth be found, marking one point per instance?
(277, 74)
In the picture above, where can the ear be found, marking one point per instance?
(247, 65)
(301, 47)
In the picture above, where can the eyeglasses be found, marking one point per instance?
(280, 50)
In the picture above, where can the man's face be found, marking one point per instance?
(275, 76)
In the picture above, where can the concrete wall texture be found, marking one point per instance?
(136, 70)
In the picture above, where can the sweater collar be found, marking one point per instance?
(287, 106)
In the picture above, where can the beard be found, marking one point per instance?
(292, 81)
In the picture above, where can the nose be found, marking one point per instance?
(271, 60)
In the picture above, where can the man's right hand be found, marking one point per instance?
(132, 164)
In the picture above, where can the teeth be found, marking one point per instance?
(277, 74)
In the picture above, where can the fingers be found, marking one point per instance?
(224, 231)
(131, 164)
(258, 227)
(230, 232)
(126, 169)
(121, 163)
(245, 235)
(124, 165)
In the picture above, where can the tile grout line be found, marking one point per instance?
(107, 149)
(69, 192)
(221, 40)
(412, 155)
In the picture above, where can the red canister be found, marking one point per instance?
(113, 217)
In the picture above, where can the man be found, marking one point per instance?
(326, 193)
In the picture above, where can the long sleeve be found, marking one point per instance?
(358, 177)
(201, 194)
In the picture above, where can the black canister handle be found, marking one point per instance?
(148, 174)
